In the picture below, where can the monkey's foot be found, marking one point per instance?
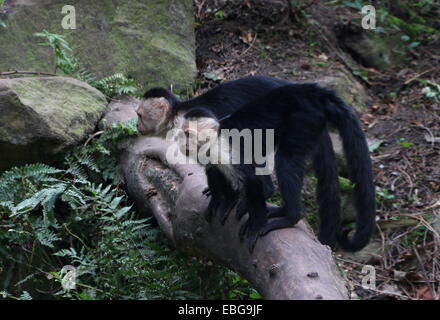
(281, 223)
(250, 237)
(210, 211)
(276, 212)
(328, 240)
(208, 214)
(242, 233)
(225, 210)
(242, 209)
(251, 241)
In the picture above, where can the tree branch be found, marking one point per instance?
(286, 264)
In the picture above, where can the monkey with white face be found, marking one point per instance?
(298, 114)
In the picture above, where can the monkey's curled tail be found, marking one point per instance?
(360, 170)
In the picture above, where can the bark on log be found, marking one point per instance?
(286, 264)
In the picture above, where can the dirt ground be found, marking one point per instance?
(264, 37)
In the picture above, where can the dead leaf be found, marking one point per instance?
(216, 76)
(306, 66)
(399, 275)
(401, 222)
(367, 118)
(434, 186)
(435, 205)
(323, 57)
(387, 288)
(392, 108)
(424, 293)
(246, 37)
(414, 276)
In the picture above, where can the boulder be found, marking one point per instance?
(152, 41)
(372, 49)
(41, 117)
(347, 87)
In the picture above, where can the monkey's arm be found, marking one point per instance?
(286, 264)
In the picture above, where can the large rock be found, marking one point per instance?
(350, 90)
(372, 49)
(41, 117)
(153, 41)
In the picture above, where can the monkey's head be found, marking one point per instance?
(155, 112)
(154, 116)
(200, 132)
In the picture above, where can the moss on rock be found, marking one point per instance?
(43, 116)
(152, 41)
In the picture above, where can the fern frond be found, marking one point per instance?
(86, 76)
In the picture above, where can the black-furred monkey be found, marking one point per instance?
(298, 114)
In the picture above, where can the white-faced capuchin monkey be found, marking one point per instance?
(298, 114)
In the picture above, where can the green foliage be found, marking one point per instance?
(384, 195)
(413, 28)
(77, 216)
(362, 74)
(24, 296)
(238, 292)
(219, 14)
(62, 51)
(431, 90)
(97, 159)
(111, 86)
(2, 24)
(375, 146)
(405, 144)
(115, 255)
(114, 85)
(358, 4)
(345, 184)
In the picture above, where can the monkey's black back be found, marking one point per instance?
(298, 114)
(230, 96)
(279, 108)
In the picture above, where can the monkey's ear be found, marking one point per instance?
(205, 123)
(211, 124)
(164, 104)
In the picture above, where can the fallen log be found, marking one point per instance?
(286, 264)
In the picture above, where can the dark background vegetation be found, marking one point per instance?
(76, 213)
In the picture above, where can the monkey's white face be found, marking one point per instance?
(200, 136)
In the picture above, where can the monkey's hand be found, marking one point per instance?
(242, 209)
(226, 207)
(212, 208)
(251, 229)
(250, 237)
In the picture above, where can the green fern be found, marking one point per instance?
(79, 216)
(86, 76)
(114, 85)
(2, 24)
(62, 52)
(19, 183)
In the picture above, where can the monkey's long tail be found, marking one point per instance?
(360, 170)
